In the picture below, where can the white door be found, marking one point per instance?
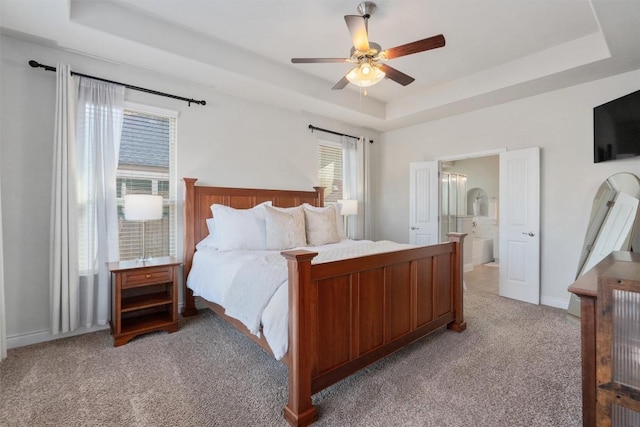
(520, 225)
(423, 203)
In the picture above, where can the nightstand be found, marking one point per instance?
(144, 297)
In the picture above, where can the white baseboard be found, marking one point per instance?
(467, 267)
(554, 302)
(36, 337)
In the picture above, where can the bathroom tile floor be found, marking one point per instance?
(483, 278)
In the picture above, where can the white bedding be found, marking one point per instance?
(229, 279)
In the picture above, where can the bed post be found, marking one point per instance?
(319, 196)
(299, 410)
(458, 323)
(189, 308)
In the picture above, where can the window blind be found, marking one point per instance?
(330, 171)
(146, 165)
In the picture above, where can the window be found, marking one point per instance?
(330, 171)
(146, 165)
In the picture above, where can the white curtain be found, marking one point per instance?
(3, 323)
(64, 237)
(364, 188)
(99, 129)
(350, 182)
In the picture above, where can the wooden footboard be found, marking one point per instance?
(345, 315)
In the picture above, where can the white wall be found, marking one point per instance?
(3, 322)
(228, 142)
(560, 123)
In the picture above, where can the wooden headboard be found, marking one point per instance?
(198, 200)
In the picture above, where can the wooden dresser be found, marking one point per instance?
(610, 333)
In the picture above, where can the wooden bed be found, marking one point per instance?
(343, 315)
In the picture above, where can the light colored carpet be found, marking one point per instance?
(516, 365)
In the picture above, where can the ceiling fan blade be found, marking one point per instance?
(358, 28)
(414, 47)
(341, 84)
(316, 60)
(395, 75)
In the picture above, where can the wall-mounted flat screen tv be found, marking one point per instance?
(616, 129)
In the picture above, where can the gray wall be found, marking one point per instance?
(228, 142)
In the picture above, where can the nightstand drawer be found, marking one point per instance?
(149, 276)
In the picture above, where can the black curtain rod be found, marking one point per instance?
(312, 127)
(35, 64)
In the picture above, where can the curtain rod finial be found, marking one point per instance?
(34, 64)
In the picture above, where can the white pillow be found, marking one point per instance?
(321, 226)
(208, 242)
(339, 220)
(211, 225)
(258, 206)
(238, 229)
(285, 227)
(211, 241)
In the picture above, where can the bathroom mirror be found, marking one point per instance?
(613, 224)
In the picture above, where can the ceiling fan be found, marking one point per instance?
(369, 57)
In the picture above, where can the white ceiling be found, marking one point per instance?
(496, 50)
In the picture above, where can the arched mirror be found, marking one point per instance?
(613, 224)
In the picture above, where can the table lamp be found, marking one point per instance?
(348, 208)
(143, 208)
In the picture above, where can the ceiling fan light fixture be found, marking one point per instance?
(367, 55)
(365, 75)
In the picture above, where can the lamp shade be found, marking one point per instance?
(142, 207)
(365, 75)
(348, 207)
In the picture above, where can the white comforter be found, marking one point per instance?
(251, 285)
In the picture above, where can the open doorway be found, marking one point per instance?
(470, 191)
(518, 219)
